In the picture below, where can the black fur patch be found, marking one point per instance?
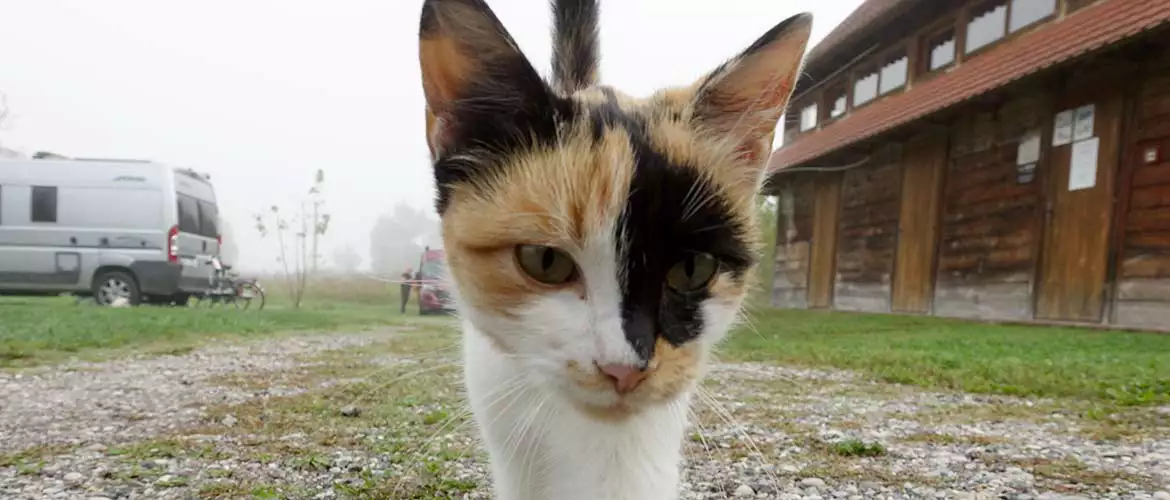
(656, 232)
(575, 45)
(506, 109)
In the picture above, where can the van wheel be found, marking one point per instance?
(110, 286)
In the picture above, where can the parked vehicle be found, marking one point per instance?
(135, 229)
(433, 295)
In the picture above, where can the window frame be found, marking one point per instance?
(36, 194)
(970, 16)
(927, 47)
(866, 70)
(894, 53)
(834, 92)
(204, 219)
(816, 118)
(1051, 15)
(179, 198)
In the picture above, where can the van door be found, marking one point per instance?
(196, 247)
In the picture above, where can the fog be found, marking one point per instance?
(260, 94)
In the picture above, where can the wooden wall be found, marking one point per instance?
(1143, 275)
(990, 221)
(793, 239)
(923, 166)
(870, 204)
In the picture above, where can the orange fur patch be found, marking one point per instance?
(555, 197)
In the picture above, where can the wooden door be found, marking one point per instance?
(1075, 250)
(922, 173)
(826, 214)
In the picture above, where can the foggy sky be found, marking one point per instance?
(261, 93)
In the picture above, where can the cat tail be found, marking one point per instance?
(576, 55)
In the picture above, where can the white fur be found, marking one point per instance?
(542, 446)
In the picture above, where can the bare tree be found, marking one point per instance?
(310, 223)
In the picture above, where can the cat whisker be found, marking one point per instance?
(737, 427)
(701, 433)
(376, 390)
(504, 390)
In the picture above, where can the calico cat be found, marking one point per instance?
(599, 245)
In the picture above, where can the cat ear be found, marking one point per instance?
(744, 98)
(472, 70)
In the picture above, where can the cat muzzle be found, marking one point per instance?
(625, 378)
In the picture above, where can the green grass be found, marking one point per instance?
(1120, 368)
(858, 448)
(37, 331)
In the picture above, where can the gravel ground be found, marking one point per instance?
(376, 415)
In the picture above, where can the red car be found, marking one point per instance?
(433, 295)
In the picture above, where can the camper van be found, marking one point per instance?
(108, 229)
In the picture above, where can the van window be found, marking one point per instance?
(208, 219)
(44, 204)
(188, 214)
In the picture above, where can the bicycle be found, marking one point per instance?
(227, 288)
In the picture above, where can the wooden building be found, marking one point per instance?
(993, 159)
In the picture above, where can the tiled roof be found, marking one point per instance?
(1085, 30)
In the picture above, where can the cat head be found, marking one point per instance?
(604, 244)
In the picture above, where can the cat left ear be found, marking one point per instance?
(472, 70)
(744, 98)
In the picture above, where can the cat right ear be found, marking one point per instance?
(472, 70)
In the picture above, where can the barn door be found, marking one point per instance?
(1079, 208)
(826, 212)
(923, 166)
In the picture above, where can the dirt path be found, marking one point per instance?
(376, 415)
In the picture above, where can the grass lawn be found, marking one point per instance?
(1115, 367)
(44, 330)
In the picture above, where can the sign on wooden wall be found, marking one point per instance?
(1027, 155)
(1075, 126)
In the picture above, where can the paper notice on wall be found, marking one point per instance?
(1029, 148)
(1062, 129)
(1082, 172)
(1083, 122)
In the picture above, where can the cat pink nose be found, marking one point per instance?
(625, 378)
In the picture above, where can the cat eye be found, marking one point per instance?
(692, 273)
(546, 264)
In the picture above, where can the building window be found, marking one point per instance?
(865, 89)
(839, 104)
(987, 25)
(893, 74)
(808, 118)
(940, 50)
(44, 204)
(1028, 12)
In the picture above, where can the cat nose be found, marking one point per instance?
(625, 378)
